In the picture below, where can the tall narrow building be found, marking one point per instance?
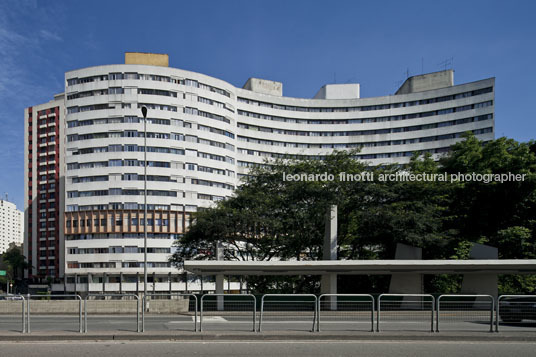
(44, 133)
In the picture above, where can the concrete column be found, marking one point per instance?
(75, 282)
(219, 290)
(219, 278)
(186, 282)
(103, 282)
(120, 283)
(406, 283)
(89, 279)
(481, 283)
(169, 281)
(328, 282)
(138, 284)
(154, 282)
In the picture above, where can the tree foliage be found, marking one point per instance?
(14, 263)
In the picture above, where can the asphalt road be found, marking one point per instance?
(287, 348)
(244, 323)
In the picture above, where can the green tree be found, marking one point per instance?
(483, 209)
(14, 263)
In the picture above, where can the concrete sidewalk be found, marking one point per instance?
(268, 336)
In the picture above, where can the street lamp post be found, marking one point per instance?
(144, 112)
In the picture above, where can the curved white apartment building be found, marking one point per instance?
(202, 135)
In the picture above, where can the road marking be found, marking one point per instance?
(210, 319)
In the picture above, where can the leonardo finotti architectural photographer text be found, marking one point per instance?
(405, 177)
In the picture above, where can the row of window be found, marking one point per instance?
(147, 77)
(153, 135)
(364, 132)
(77, 265)
(215, 198)
(134, 119)
(146, 91)
(124, 177)
(212, 184)
(153, 106)
(135, 162)
(120, 206)
(150, 235)
(117, 250)
(103, 222)
(367, 120)
(195, 111)
(135, 192)
(120, 192)
(364, 144)
(110, 163)
(137, 177)
(371, 156)
(354, 145)
(128, 148)
(367, 108)
(128, 120)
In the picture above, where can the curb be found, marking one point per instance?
(491, 337)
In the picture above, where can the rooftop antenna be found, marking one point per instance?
(6, 197)
(447, 63)
(422, 65)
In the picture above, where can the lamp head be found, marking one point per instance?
(144, 112)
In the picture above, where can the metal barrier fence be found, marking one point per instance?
(406, 310)
(475, 309)
(513, 309)
(119, 308)
(176, 306)
(236, 307)
(229, 311)
(350, 308)
(53, 309)
(7, 302)
(290, 308)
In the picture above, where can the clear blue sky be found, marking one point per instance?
(303, 44)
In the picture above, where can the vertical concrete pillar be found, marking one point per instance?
(154, 282)
(186, 282)
(169, 282)
(328, 282)
(219, 278)
(120, 283)
(103, 282)
(138, 284)
(89, 279)
(407, 283)
(481, 283)
(75, 282)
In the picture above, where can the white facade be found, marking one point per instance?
(11, 225)
(203, 135)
